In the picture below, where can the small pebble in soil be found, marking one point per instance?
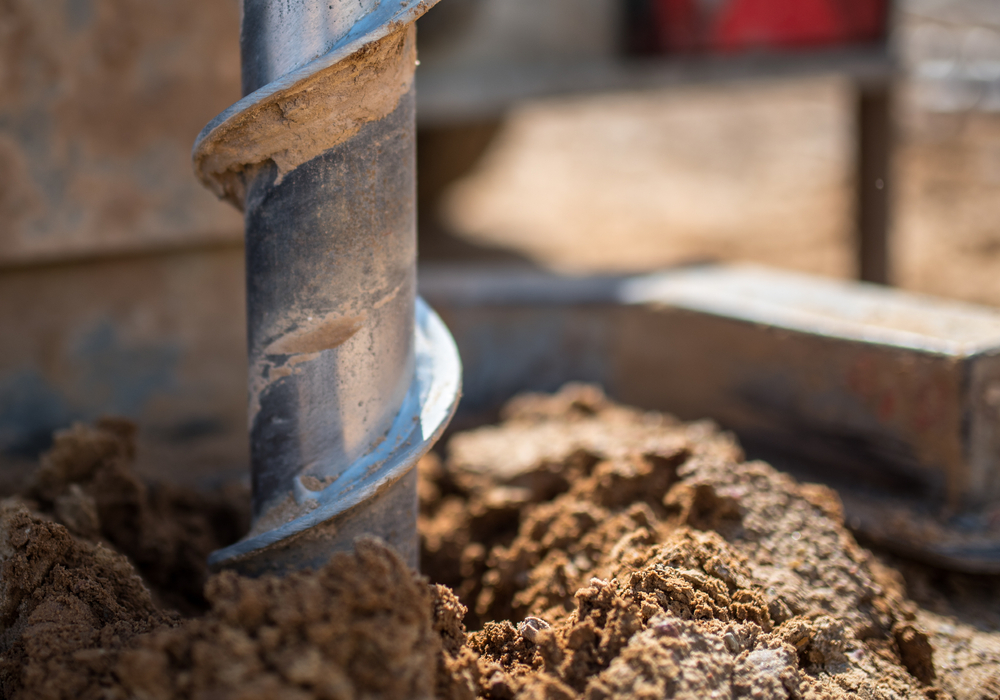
(668, 628)
(531, 626)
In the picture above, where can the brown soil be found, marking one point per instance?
(86, 483)
(661, 564)
(961, 614)
(598, 551)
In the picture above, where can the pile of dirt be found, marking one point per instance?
(597, 551)
(68, 608)
(360, 627)
(94, 564)
(79, 623)
(658, 563)
(86, 482)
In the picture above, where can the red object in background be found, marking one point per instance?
(694, 26)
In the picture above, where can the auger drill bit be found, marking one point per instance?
(352, 377)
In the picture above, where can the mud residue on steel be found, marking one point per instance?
(317, 335)
(283, 357)
(290, 508)
(388, 297)
(285, 511)
(296, 125)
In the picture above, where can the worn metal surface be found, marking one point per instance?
(346, 389)
(890, 397)
(157, 338)
(331, 265)
(99, 102)
(376, 493)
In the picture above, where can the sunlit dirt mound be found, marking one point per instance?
(595, 550)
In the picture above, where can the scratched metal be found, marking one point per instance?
(351, 379)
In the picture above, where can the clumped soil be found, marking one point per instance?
(596, 552)
(86, 483)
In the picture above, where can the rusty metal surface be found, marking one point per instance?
(99, 103)
(890, 397)
(159, 339)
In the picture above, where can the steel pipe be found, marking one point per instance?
(352, 378)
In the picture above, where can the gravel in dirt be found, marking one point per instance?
(596, 551)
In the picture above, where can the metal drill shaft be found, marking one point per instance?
(351, 378)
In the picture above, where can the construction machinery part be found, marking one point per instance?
(890, 397)
(352, 378)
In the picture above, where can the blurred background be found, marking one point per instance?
(581, 136)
